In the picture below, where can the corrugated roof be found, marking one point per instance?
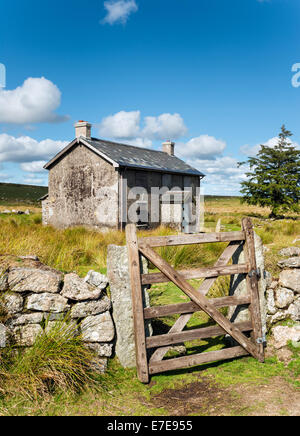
(129, 156)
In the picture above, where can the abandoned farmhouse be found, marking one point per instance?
(92, 183)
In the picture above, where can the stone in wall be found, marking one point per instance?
(292, 262)
(12, 303)
(4, 336)
(119, 280)
(283, 297)
(283, 334)
(290, 278)
(270, 302)
(78, 289)
(88, 308)
(101, 350)
(24, 319)
(33, 280)
(3, 280)
(26, 335)
(290, 251)
(47, 303)
(99, 328)
(96, 279)
(294, 310)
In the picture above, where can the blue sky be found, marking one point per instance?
(212, 75)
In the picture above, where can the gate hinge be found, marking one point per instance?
(254, 272)
(262, 340)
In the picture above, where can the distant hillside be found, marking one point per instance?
(11, 193)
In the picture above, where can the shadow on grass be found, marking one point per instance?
(199, 368)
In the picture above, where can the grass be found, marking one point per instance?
(79, 249)
(58, 360)
(15, 194)
(52, 379)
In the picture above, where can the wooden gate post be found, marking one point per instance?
(252, 285)
(137, 303)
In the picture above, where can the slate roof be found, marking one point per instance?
(123, 155)
(144, 158)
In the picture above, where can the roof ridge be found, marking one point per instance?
(126, 145)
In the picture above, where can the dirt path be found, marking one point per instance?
(205, 397)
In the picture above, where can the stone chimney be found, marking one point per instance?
(83, 128)
(169, 148)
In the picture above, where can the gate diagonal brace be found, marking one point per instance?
(202, 301)
(204, 289)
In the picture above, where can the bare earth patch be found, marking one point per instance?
(205, 397)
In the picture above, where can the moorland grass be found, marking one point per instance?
(57, 362)
(42, 380)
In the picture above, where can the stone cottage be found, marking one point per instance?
(103, 184)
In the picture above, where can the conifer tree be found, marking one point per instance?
(274, 177)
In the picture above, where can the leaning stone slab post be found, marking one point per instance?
(120, 288)
(238, 285)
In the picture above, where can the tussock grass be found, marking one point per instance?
(58, 361)
(74, 249)
(78, 249)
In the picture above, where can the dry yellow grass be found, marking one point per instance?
(79, 249)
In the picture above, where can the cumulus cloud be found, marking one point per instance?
(138, 142)
(223, 177)
(33, 102)
(252, 150)
(127, 127)
(165, 126)
(201, 147)
(34, 167)
(118, 11)
(26, 149)
(121, 125)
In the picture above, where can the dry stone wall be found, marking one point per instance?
(283, 293)
(279, 298)
(32, 293)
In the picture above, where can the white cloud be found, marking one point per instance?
(223, 177)
(138, 142)
(33, 102)
(34, 167)
(118, 11)
(201, 147)
(121, 125)
(26, 149)
(249, 150)
(35, 181)
(165, 126)
(126, 127)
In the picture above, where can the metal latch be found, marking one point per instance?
(262, 340)
(254, 272)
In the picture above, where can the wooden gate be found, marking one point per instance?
(253, 345)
